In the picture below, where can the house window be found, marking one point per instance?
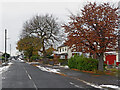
(60, 49)
(63, 49)
(62, 57)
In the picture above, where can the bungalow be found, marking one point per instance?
(64, 52)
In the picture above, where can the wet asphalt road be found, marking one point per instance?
(23, 75)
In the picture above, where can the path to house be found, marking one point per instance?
(23, 75)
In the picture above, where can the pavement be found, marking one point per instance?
(93, 79)
(22, 76)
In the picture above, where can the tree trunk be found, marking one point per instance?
(44, 52)
(101, 63)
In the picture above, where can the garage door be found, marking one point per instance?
(110, 59)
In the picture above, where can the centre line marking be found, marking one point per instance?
(74, 85)
(31, 79)
(28, 75)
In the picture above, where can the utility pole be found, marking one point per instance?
(5, 44)
(10, 50)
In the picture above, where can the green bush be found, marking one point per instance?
(83, 63)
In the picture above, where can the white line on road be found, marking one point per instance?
(90, 84)
(71, 83)
(74, 85)
(35, 86)
(28, 75)
(77, 86)
(30, 78)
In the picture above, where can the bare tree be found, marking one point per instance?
(46, 28)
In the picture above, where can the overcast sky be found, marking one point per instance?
(13, 14)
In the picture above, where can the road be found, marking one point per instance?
(23, 75)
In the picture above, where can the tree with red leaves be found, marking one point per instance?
(94, 30)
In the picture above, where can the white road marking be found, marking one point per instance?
(99, 86)
(90, 84)
(30, 78)
(77, 86)
(35, 86)
(74, 85)
(111, 86)
(28, 75)
(71, 83)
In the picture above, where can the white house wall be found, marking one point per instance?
(69, 53)
(117, 57)
(104, 57)
(66, 50)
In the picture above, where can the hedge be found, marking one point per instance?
(83, 63)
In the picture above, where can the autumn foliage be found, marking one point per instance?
(29, 46)
(50, 50)
(94, 30)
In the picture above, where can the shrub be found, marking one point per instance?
(83, 63)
